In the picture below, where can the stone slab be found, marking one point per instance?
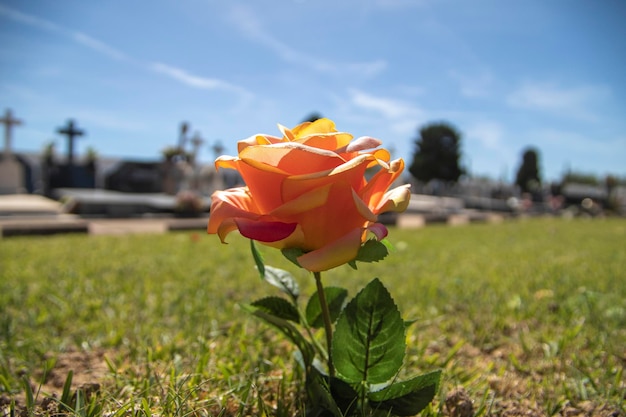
(36, 226)
(28, 205)
(123, 227)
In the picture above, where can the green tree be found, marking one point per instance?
(312, 117)
(437, 153)
(528, 177)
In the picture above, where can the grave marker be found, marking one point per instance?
(72, 132)
(11, 171)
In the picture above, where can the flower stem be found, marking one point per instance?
(327, 324)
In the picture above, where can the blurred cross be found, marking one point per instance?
(8, 122)
(196, 141)
(71, 131)
(218, 148)
(182, 138)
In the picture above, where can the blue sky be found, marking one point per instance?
(507, 75)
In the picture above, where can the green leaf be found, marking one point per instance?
(372, 251)
(286, 328)
(335, 297)
(279, 307)
(407, 398)
(369, 341)
(66, 396)
(293, 254)
(258, 259)
(320, 395)
(282, 280)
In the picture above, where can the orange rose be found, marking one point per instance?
(308, 190)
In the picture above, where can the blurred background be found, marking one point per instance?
(142, 78)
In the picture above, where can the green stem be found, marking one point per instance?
(328, 326)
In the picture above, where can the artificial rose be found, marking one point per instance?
(308, 190)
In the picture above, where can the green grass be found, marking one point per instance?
(528, 314)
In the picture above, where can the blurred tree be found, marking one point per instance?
(528, 178)
(580, 178)
(312, 117)
(437, 154)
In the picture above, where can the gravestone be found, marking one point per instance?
(72, 132)
(68, 174)
(136, 177)
(11, 170)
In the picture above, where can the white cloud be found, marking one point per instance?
(400, 116)
(29, 20)
(574, 101)
(189, 79)
(98, 46)
(388, 107)
(103, 48)
(46, 25)
(245, 19)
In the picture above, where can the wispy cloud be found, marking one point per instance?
(27, 19)
(573, 101)
(177, 74)
(250, 25)
(98, 46)
(401, 116)
(388, 107)
(78, 37)
(196, 81)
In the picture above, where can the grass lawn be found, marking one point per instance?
(525, 318)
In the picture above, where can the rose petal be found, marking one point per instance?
(379, 230)
(306, 202)
(291, 157)
(351, 172)
(395, 200)
(361, 144)
(318, 126)
(264, 231)
(226, 205)
(362, 208)
(375, 189)
(337, 253)
(257, 140)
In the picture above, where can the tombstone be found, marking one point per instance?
(69, 174)
(136, 177)
(11, 170)
(72, 132)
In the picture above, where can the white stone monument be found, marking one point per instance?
(11, 171)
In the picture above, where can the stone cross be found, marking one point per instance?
(11, 171)
(71, 131)
(196, 141)
(8, 122)
(218, 148)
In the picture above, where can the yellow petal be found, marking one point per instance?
(322, 125)
(307, 201)
(257, 140)
(395, 200)
(290, 157)
(226, 161)
(376, 187)
(329, 141)
(337, 253)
